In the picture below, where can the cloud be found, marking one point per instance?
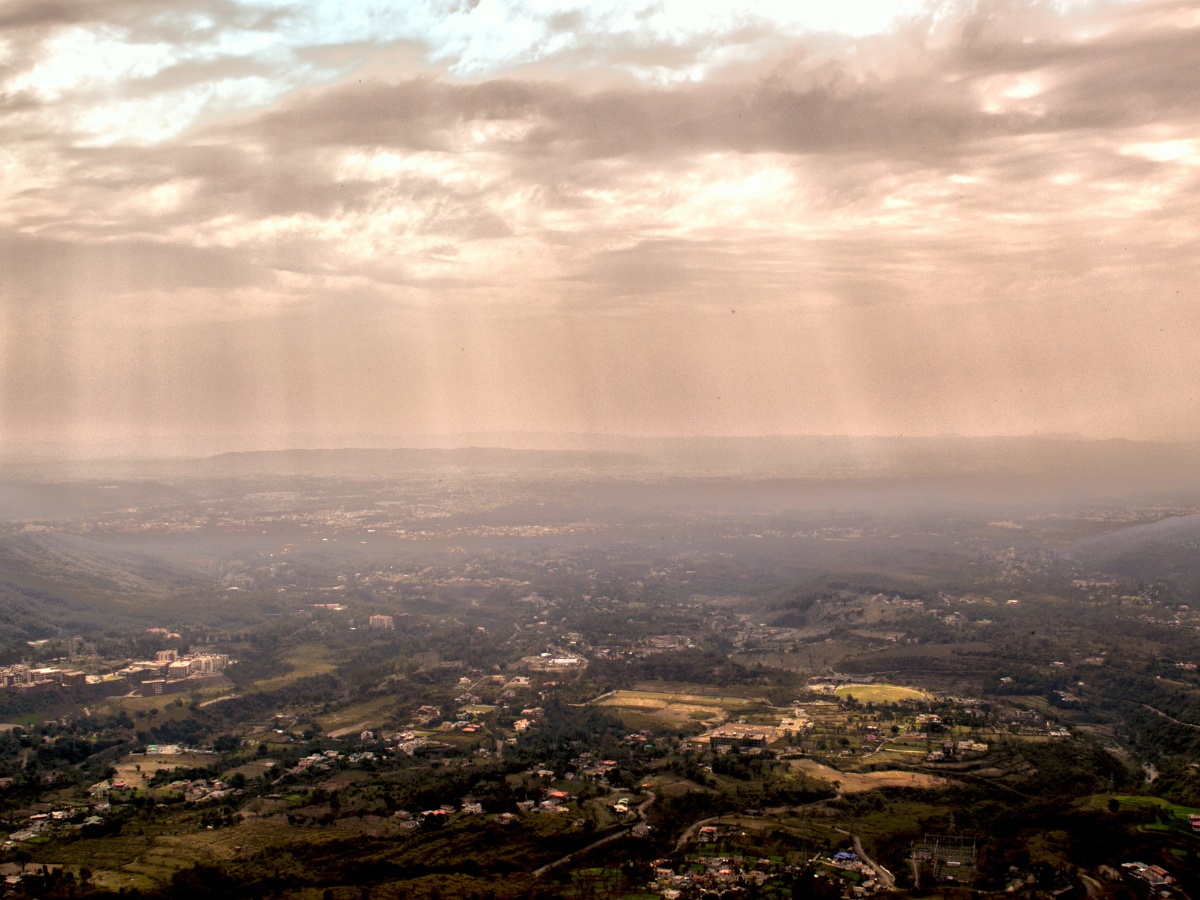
(51, 270)
(947, 98)
(589, 205)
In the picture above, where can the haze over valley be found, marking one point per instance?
(498, 450)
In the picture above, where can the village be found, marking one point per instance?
(849, 737)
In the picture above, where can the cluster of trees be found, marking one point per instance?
(699, 666)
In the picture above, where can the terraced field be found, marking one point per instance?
(149, 861)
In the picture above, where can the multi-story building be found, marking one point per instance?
(181, 668)
(724, 738)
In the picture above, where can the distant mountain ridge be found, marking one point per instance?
(366, 461)
(922, 457)
(815, 457)
(89, 568)
(1127, 464)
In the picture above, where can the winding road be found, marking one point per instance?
(885, 877)
(608, 839)
(1170, 718)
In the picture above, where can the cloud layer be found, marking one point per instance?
(227, 224)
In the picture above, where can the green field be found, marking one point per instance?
(303, 662)
(350, 720)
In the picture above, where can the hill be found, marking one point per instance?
(1168, 550)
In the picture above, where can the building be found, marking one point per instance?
(167, 656)
(181, 668)
(1140, 875)
(209, 663)
(725, 738)
(385, 623)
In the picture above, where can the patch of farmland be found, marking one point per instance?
(879, 693)
(857, 782)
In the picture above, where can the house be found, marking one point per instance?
(1139, 873)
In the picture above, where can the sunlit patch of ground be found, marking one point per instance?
(879, 693)
(857, 782)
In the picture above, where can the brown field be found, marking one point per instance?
(856, 782)
(648, 698)
(677, 708)
(252, 769)
(135, 769)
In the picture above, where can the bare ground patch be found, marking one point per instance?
(857, 782)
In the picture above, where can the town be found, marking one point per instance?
(550, 715)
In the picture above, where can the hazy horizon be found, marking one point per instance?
(254, 225)
(211, 446)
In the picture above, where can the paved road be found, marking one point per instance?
(885, 877)
(640, 809)
(538, 873)
(1170, 718)
(219, 700)
(691, 830)
(768, 813)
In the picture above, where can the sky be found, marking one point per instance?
(237, 225)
